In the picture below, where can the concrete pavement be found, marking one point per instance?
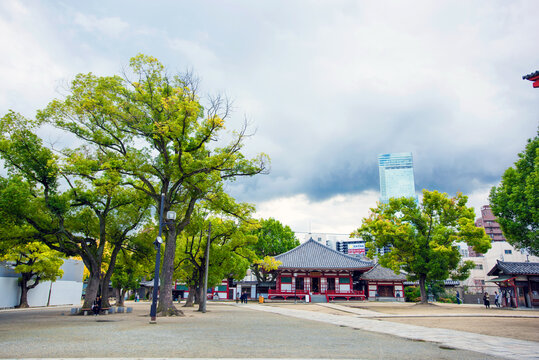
(375, 314)
(452, 339)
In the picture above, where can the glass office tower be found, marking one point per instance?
(396, 176)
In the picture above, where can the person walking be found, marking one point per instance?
(238, 297)
(486, 300)
(497, 299)
(458, 298)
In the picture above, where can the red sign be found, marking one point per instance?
(356, 251)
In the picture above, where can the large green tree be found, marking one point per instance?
(423, 237)
(158, 135)
(274, 238)
(92, 216)
(515, 202)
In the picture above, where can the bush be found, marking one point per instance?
(412, 294)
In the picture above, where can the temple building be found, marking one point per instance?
(518, 283)
(317, 273)
(383, 283)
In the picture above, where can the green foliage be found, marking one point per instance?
(412, 294)
(423, 237)
(35, 259)
(515, 202)
(153, 130)
(273, 238)
(35, 262)
(230, 247)
(92, 219)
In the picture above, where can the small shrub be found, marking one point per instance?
(412, 294)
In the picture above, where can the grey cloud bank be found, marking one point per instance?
(327, 85)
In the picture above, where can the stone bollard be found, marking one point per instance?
(74, 311)
(120, 309)
(129, 310)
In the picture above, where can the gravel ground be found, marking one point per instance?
(225, 331)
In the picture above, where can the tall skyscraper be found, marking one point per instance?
(396, 176)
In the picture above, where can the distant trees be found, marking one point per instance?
(515, 202)
(423, 236)
(273, 238)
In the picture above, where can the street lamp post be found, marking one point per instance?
(171, 216)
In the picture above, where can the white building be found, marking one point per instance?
(478, 281)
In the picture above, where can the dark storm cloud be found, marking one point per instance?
(327, 86)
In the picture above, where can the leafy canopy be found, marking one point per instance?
(423, 237)
(515, 202)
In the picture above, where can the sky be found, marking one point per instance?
(326, 86)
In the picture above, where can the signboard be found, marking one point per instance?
(358, 248)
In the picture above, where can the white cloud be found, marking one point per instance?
(340, 214)
(109, 26)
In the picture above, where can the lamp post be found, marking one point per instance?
(171, 216)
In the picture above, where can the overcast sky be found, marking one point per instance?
(327, 85)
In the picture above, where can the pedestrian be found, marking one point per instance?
(238, 297)
(458, 298)
(137, 297)
(497, 299)
(96, 307)
(486, 300)
(244, 298)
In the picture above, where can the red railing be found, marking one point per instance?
(286, 293)
(332, 294)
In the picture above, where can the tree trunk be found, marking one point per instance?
(200, 291)
(91, 291)
(166, 304)
(23, 303)
(422, 281)
(121, 297)
(106, 279)
(190, 299)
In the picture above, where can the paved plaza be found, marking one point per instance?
(232, 330)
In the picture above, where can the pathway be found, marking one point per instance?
(490, 345)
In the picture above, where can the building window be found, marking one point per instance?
(286, 279)
(508, 251)
(479, 266)
(300, 283)
(344, 280)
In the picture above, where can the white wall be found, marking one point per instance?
(66, 293)
(39, 295)
(10, 292)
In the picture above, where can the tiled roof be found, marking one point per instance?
(381, 273)
(515, 268)
(532, 75)
(312, 255)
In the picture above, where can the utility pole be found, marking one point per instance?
(206, 268)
